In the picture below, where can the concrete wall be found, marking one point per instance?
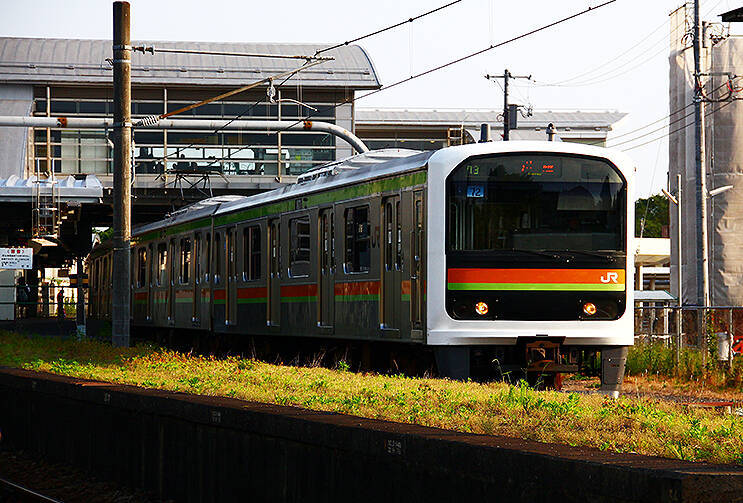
(14, 100)
(195, 448)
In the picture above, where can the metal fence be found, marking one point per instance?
(718, 328)
(42, 301)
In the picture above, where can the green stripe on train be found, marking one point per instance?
(586, 287)
(254, 300)
(360, 190)
(308, 298)
(352, 298)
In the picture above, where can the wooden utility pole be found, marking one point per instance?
(506, 109)
(703, 298)
(122, 131)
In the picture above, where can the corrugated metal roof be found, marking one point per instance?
(84, 61)
(474, 117)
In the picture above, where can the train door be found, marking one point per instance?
(417, 266)
(171, 281)
(326, 278)
(274, 274)
(231, 277)
(152, 261)
(391, 260)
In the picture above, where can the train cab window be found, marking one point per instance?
(184, 275)
(299, 247)
(162, 263)
(141, 267)
(197, 257)
(252, 253)
(218, 258)
(358, 256)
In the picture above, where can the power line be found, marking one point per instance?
(481, 51)
(409, 20)
(593, 80)
(152, 50)
(655, 122)
(678, 129)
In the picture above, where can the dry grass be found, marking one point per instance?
(625, 425)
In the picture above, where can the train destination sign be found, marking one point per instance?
(16, 258)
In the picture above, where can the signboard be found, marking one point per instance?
(16, 258)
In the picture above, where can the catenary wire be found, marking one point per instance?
(445, 65)
(680, 128)
(409, 20)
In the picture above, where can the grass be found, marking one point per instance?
(657, 360)
(624, 425)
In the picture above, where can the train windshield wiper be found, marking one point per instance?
(544, 253)
(601, 255)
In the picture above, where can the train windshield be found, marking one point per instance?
(536, 202)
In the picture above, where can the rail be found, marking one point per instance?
(25, 492)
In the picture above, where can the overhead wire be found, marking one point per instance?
(391, 27)
(452, 62)
(621, 69)
(680, 128)
(655, 122)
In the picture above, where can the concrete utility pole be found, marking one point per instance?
(701, 178)
(122, 131)
(506, 110)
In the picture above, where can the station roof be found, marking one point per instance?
(87, 189)
(733, 16)
(75, 61)
(472, 118)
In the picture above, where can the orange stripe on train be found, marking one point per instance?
(577, 276)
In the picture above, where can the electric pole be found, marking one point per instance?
(509, 116)
(122, 133)
(703, 297)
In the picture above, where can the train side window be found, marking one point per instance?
(398, 257)
(358, 256)
(171, 269)
(197, 257)
(299, 247)
(162, 263)
(184, 275)
(218, 257)
(141, 267)
(208, 256)
(252, 253)
(151, 268)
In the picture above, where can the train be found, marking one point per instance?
(497, 254)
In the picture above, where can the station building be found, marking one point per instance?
(56, 183)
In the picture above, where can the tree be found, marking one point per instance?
(654, 210)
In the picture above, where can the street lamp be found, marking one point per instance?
(677, 201)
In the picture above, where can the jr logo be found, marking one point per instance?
(611, 277)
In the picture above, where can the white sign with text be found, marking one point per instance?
(16, 258)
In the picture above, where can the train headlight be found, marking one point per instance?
(589, 308)
(481, 308)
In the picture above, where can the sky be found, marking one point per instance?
(612, 58)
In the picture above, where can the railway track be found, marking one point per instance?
(18, 493)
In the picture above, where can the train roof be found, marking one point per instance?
(369, 166)
(360, 167)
